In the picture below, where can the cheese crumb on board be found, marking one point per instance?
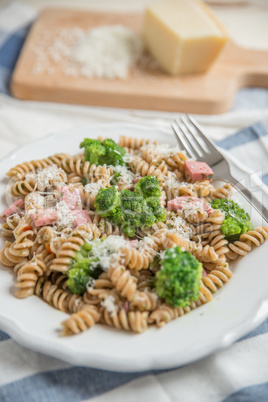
(184, 36)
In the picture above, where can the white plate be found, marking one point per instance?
(236, 309)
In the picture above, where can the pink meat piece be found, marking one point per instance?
(184, 200)
(15, 208)
(204, 273)
(81, 217)
(43, 217)
(71, 197)
(198, 170)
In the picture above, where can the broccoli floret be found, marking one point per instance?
(116, 178)
(148, 186)
(131, 201)
(147, 218)
(135, 209)
(132, 218)
(84, 251)
(93, 150)
(132, 206)
(113, 153)
(80, 273)
(230, 227)
(82, 268)
(107, 201)
(105, 152)
(236, 221)
(154, 266)
(130, 209)
(160, 214)
(158, 211)
(78, 279)
(128, 230)
(178, 281)
(153, 202)
(111, 157)
(108, 143)
(117, 216)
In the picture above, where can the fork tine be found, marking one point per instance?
(191, 136)
(201, 144)
(209, 144)
(183, 143)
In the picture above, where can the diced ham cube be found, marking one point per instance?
(198, 170)
(204, 273)
(43, 217)
(71, 196)
(15, 208)
(80, 217)
(185, 200)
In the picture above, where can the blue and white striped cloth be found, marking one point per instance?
(239, 373)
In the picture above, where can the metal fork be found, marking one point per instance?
(198, 146)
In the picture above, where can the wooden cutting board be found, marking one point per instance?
(147, 88)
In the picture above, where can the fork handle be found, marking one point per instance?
(261, 209)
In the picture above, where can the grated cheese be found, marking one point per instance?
(146, 244)
(190, 208)
(178, 224)
(65, 218)
(94, 188)
(48, 177)
(105, 52)
(185, 184)
(107, 251)
(126, 178)
(108, 51)
(109, 304)
(171, 182)
(164, 150)
(91, 283)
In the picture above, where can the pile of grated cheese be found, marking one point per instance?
(104, 52)
(109, 304)
(47, 177)
(126, 177)
(107, 250)
(178, 225)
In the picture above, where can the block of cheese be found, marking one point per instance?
(184, 36)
